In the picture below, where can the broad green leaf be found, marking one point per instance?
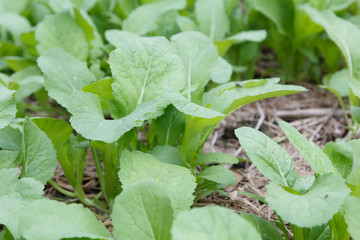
(263, 226)
(141, 67)
(345, 34)
(66, 5)
(14, 23)
(143, 19)
(230, 96)
(89, 121)
(302, 185)
(271, 159)
(63, 75)
(15, 195)
(142, 211)
(10, 144)
(7, 106)
(127, 6)
(186, 24)
(318, 160)
(314, 208)
(61, 30)
(176, 180)
(167, 154)
(339, 82)
(355, 86)
(51, 220)
(170, 126)
(102, 89)
(333, 5)
(115, 37)
(354, 177)
(223, 45)
(280, 12)
(212, 18)
(212, 223)
(222, 71)
(27, 87)
(341, 156)
(13, 6)
(38, 156)
(199, 57)
(218, 174)
(184, 105)
(18, 63)
(352, 212)
(92, 36)
(215, 157)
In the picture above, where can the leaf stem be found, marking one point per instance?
(99, 171)
(62, 190)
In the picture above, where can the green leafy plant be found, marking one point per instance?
(319, 205)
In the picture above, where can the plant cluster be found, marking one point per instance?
(140, 103)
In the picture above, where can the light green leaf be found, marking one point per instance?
(7, 106)
(61, 30)
(215, 157)
(230, 96)
(271, 159)
(339, 82)
(333, 5)
(212, 223)
(318, 160)
(38, 156)
(170, 126)
(186, 24)
(18, 63)
(341, 156)
(222, 71)
(27, 87)
(280, 12)
(102, 89)
(189, 108)
(314, 208)
(212, 18)
(352, 212)
(246, 36)
(199, 57)
(176, 180)
(219, 174)
(167, 154)
(89, 121)
(63, 75)
(354, 177)
(92, 36)
(10, 144)
(13, 6)
(66, 5)
(15, 195)
(51, 220)
(141, 66)
(142, 211)
(14, 23)
(345, 34)
(263, 226)
(143, 19)
(115, 37)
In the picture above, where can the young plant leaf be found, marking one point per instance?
(354, 177)
(352, 211)
(222, 71)
(318, 160)
(115, 37)
(38, 156)
(199, 56)
(52, 220)
(167, 154)
(333, 5)
(10, 144)
(142, 211)
(63, 75)
(61, 30)
(326, 197)
(341, 156)
(218, 174)
(212, 18)
(7, 106)
(271, 159)
(143, 19)
(215, 157)
(15, 195)
(212, 223)
(141, 66)
(176, 180)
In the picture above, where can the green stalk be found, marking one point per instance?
(99, 171)
(109, 178)
(298, 232)
(62, 190)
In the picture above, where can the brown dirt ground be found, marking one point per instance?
(315, 113)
